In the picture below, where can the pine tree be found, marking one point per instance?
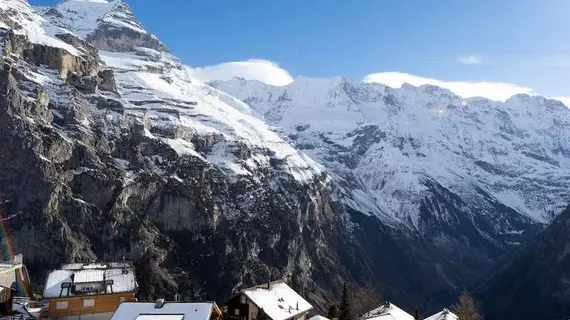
(261, 315)
(333, 312)
(345, 313)
(466, 309)
(417, 314)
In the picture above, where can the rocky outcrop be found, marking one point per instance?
(107, 80)
(87, 84)
(88, 172)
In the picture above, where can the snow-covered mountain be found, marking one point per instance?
(110, 149)
(419, 156)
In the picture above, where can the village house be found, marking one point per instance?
(387, 311)
(318, 317)
(162, 310)
(444, 314)
(89, 291)
(277, 299)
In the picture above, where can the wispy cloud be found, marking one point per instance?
(253, 69)
(499, 91)
(471, 59)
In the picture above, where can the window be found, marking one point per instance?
(236, 312)
(243, 299)
(88, 303)
(61, 305)
(87, 288)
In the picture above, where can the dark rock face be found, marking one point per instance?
(69, 200)
(75, 187)
(85, 175)
(536, 283)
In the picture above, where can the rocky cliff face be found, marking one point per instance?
(110, 149)
(112, 154)
(536, 283)
(475, 178)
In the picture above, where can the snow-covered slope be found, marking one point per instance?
(19, 16)
(110, 149)
(115, 150)
(508, 163)
(179, 109)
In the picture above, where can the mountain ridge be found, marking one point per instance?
(126, 154)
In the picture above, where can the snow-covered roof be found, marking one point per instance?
(88, 276)
(91, 273)
(444, 314)
(318, 317)
(279, 302)
(388, 311)
(169, 311)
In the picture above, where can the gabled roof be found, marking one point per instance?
(277, 300)
(170, 310)
(121, 274)
(388, 311)
(444, 314)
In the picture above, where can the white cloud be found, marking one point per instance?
(472, 59)
(254, 69)
(565, 100)
(499, 91)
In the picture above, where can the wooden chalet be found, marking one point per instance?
(89, 291)
(277, 299)
(167, 311)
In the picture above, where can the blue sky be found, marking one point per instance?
(525, 42)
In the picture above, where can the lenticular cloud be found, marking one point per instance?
(264, 71)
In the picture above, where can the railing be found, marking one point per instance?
(15, 317)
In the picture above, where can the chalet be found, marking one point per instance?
(277, 299)
(387, 311)
(162, 310)
(444, 314)
(97, 289)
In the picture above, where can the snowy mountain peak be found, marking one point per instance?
(99, 1)
(392, 146)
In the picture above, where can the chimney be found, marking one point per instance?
(177, 297)
(297, 305)
(268, 284)
(159, 303)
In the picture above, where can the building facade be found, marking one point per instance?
(89, 291)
